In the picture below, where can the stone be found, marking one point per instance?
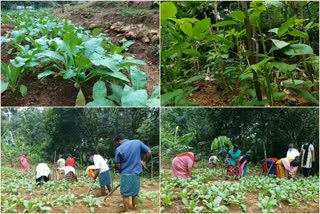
(130, 35)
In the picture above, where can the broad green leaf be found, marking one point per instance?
(45, 74)
(277, 96)
(136, 98)
(69, 74)
(297, 82)
(18, 62)
(305, 94)
(298, 49)
(71, 41)
(116, 93)
(237, 15)
(23, 90)
(191, 52)
(201, 27)
(284, 67)
(108, 73)
(167, 10)
(127, 90)
(138, 78)
(51, 55)
(224, 23)
(99, 90)
(130, 61)
(101, 102)
(153, 103)
(274, 30)
(4, 86)
(81, 100)
(280, 44)
(297, 33)
(246, 76)
(186, 27)
(108, 62)
(156, 93)
(194, 78)
(285, 26)
(96, 31)
(82, 62)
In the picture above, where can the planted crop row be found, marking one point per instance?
(60, 49)
(202, 195)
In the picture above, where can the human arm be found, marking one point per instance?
(96, 174)
(146, 158)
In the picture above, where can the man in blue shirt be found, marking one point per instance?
(128, 160)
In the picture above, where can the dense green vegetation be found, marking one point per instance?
(50, 46)
(257, 53)
(262, 132)
(42, 133)
(201, 194)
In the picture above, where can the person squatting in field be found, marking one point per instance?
(213, 161)
(42, 173)
(24, 163)
(101, 170)
(183, 164)
(128, 161)
(70, 174)
(61, 163)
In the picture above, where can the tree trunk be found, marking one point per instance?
(251, 46)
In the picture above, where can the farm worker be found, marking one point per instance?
(42, 173)
(286, 167)
(213, 161)
(71, 161)
(271, 168)
(101, 170)
(24, 162)
(242, 162)
(231, 160)
(128, 161)
(293, 153)
(70, 174)
(307, 157)
(182, 165)
(61, 163)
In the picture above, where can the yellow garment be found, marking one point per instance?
(281, 167)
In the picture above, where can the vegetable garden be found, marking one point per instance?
(19, 193)
(70, 61)
(206, 192)
(259, 53)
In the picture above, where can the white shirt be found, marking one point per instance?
(100, 163)
(42, 170)
(68, 169)
(213, 159)
(61, 163)
(292, 153)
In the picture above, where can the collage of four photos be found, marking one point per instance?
(160, 106)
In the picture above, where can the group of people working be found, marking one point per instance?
(288, 166)
(127, 160)
(236, 163)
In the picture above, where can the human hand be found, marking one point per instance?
(143, 164)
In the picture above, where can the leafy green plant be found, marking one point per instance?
(91, 202)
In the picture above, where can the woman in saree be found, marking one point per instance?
(231, 160)
(24, 162)
(242, 162)
(286, 167)
(182, 165)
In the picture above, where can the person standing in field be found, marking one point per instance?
(128, 160)
(61, 163)
(307, 158)
(24, 162)
(101, 170)
(293, 154)
(71, 161)
(42, 173)
(231, 161)
(182, 165)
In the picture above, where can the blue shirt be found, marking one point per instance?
(128, 154)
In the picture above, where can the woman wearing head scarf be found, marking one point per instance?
(182, 165)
